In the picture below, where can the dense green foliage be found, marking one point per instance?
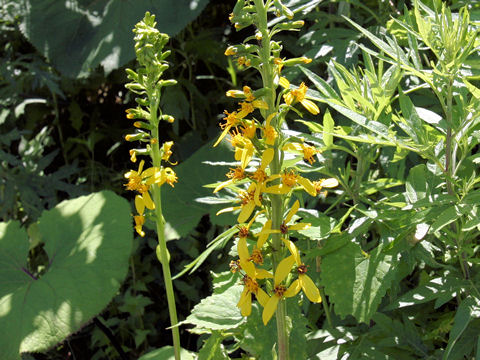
(394, 248)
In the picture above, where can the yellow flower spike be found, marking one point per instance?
(139, 222)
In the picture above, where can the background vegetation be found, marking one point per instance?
(62, 123)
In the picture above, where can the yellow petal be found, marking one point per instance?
(147, 200)
(243, 296)
(299, 226)
(222, 185)
(277, 189)
(242, 249)
(246, 212)
(284, 82)
(293, 250)
(310, 106)
(256, 197)
(222, 135)
(309, 288)
(293, 289)
(260, 104)
(307, 185)
(283, 269)
(140, 166)
(269, 309)
(139, 204)
(249, 268)
(269, 118)
(293, 211)
(262, 297)
(267, 158)
(246, 307)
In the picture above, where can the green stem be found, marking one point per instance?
(266, 71)
(162, 254)
(326, 308)
(449, 172)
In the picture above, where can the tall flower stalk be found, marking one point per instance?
(148, 85)
(260, 146)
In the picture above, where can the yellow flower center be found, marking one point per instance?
(289, 179)
(246, 107)
(250, 284)
(302, 269)
(236, 174)
(231, 119)
(299, 93)
(279, 290)
(309, 153)
(259, 176)
(270, 134)
(249, 131)
(256, 257)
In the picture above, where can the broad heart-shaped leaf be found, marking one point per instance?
(183, 205)
(217, 312)
(88, 241)
(355, 281)
(78, 35)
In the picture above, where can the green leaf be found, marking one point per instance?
(259, 340)
(182, 208)
(445, 287)
(88, 241)
(213, 349)
(167, 353)
(328, 125)
(468, 310)
(79, 35)
(355, 281)
(218, 311)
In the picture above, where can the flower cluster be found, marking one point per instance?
(266, 184)
(147, 83)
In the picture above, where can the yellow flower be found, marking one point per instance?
(168, 176)
(284, 228)
(166, 150)
(303, 282)
(289, 180)
(269, 132)
(324, 183)
(139, 221)
(233, 175)
(279, 290)
(308, 151)
(231, 120)
(260, 176)
(298, 95)
(246, 208)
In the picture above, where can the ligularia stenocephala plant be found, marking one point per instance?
(265, 183)
(146, 82)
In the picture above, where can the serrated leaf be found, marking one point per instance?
(79, 35)
(88, 241)
(356, 282)
(218, 311)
